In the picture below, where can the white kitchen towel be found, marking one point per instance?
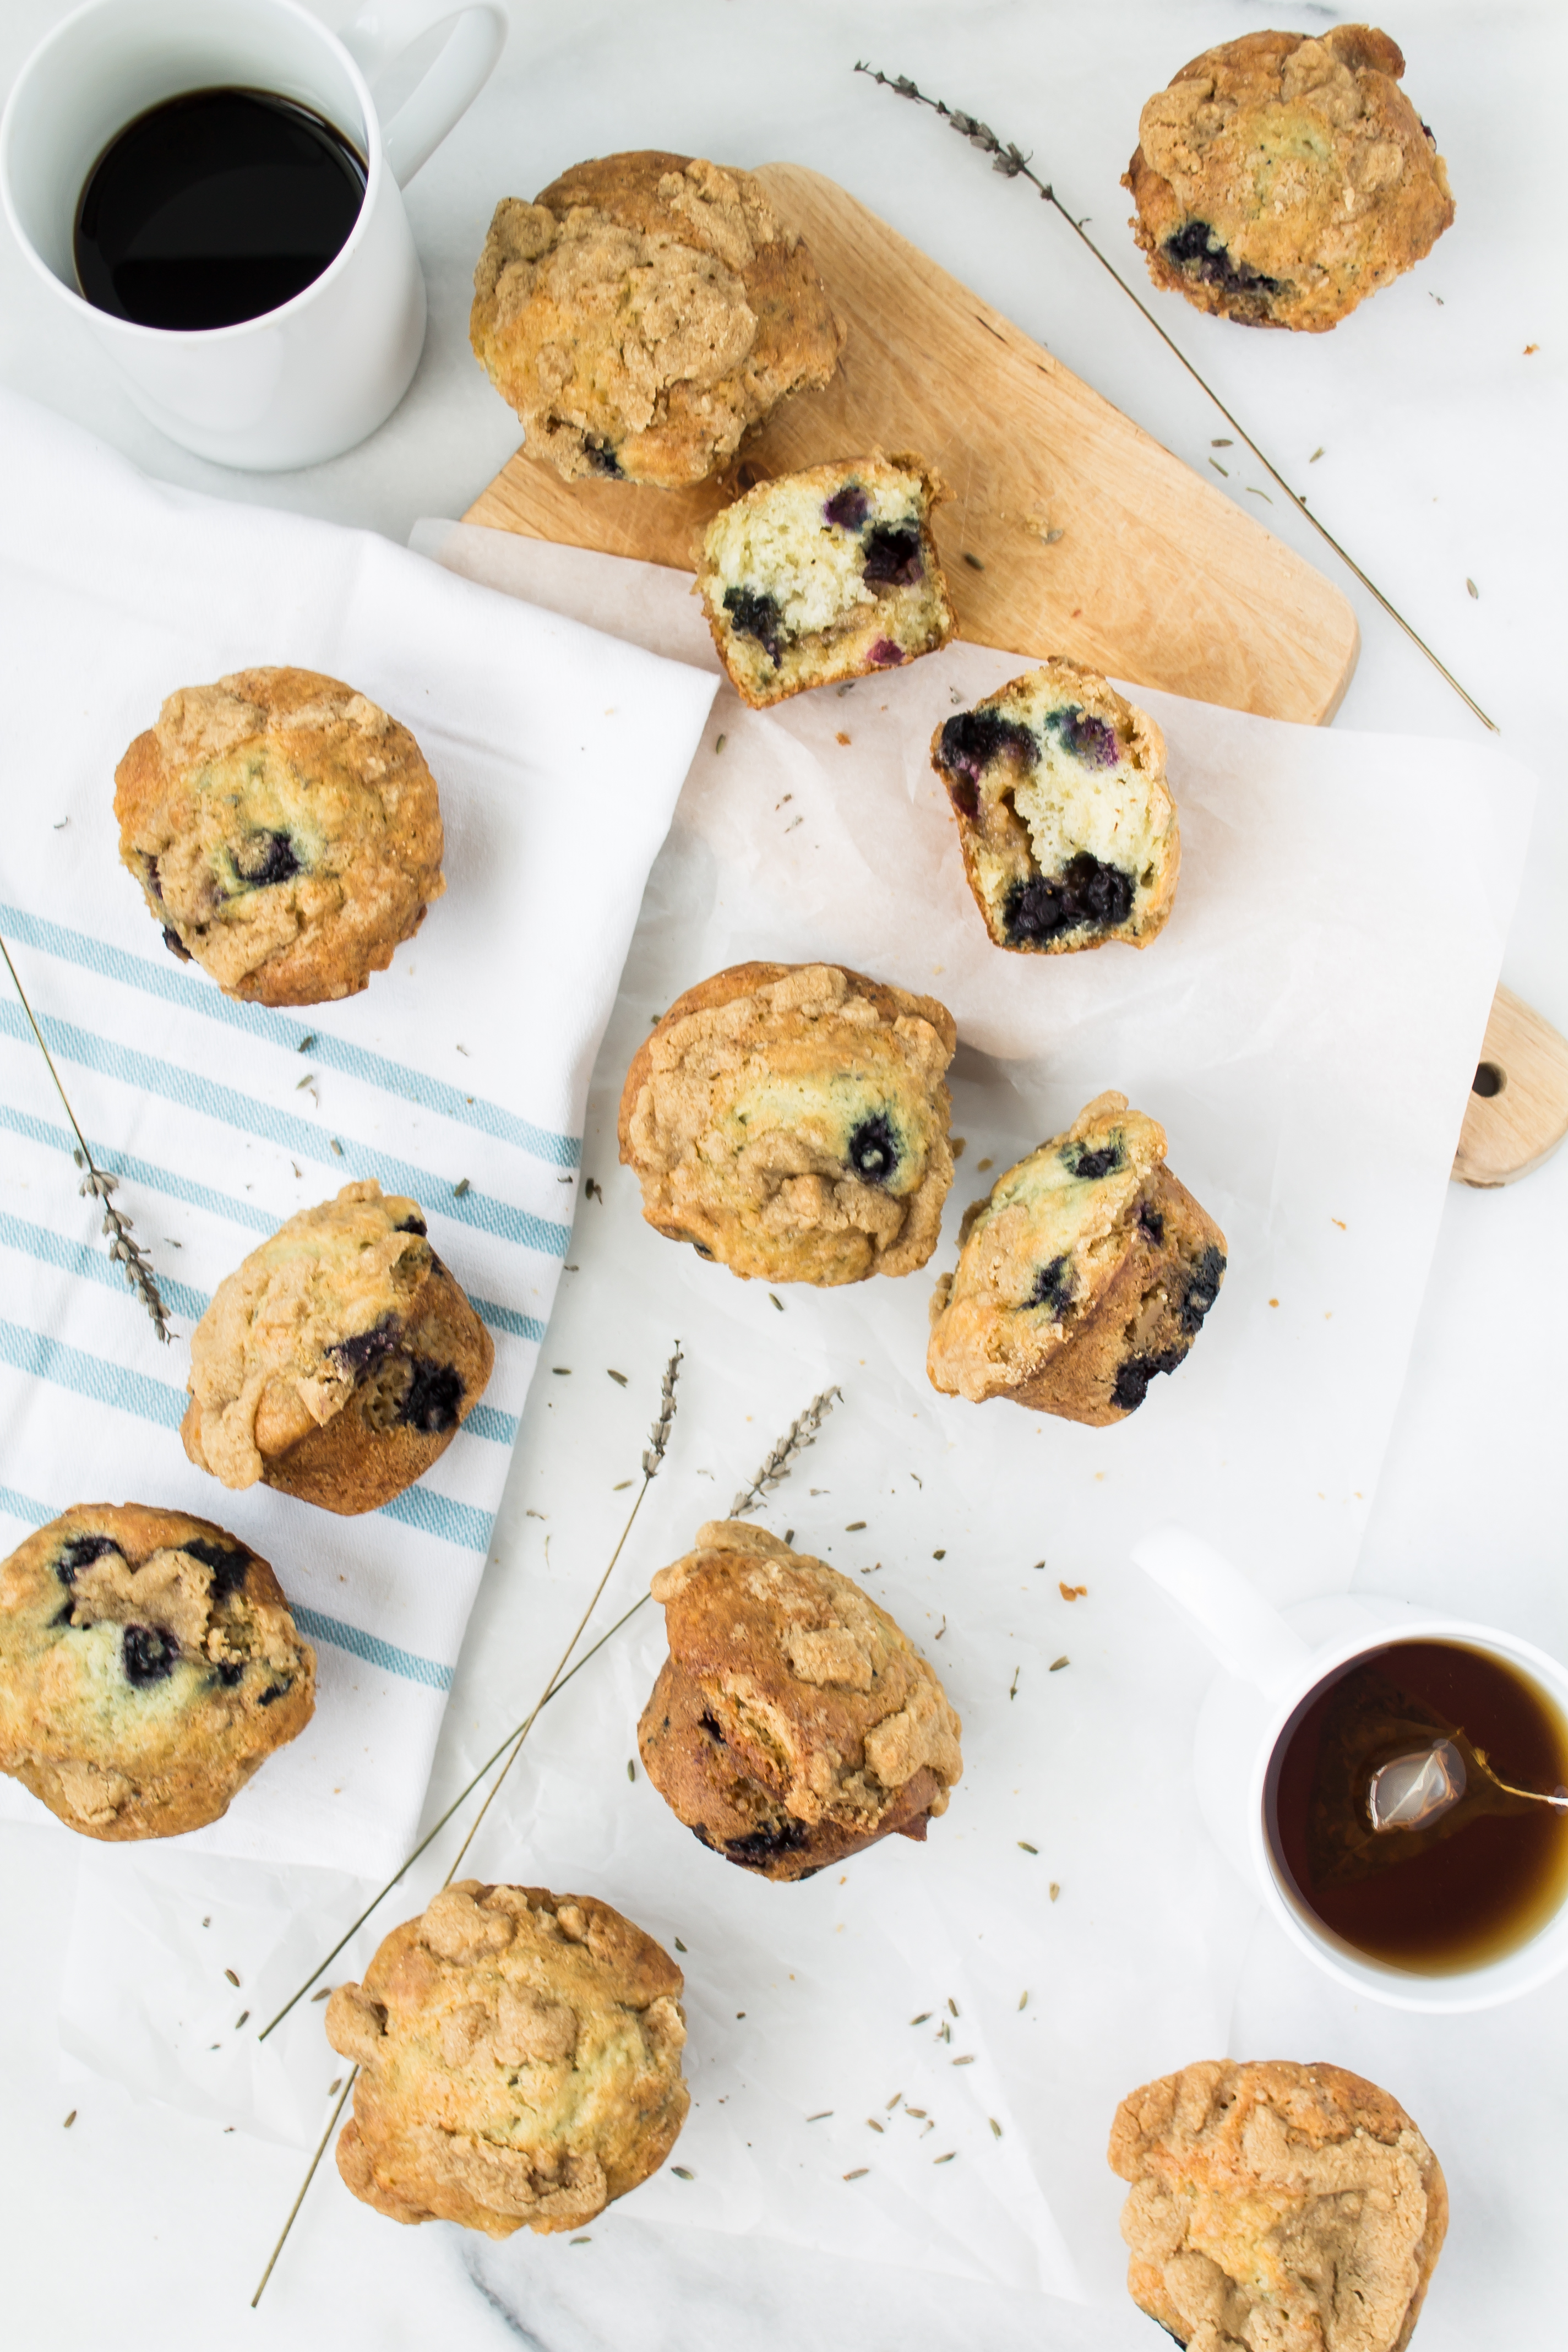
(459, 1077)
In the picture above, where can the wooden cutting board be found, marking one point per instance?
(1070, 529)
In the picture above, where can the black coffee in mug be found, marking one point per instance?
(215, 206)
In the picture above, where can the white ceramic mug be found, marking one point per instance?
(308, 380)
(1273, 1661)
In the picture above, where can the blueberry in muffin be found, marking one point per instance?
(1272, 2203)
(286, 832)
(519, 2061)
(1284, 177)
(791, 1121)
(1064, 820)
(825, 575)
(644, 313)
(794, 1723)
(1086, 1271)
(338, 1361)
(148, 1666)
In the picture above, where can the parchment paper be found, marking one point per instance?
(1306, 1028)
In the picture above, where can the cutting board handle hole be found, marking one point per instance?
(1488, 1079)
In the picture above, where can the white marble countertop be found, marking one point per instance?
(1441, 438)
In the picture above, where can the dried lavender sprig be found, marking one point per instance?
(659, 1439)
(1014, 165)
(778, 1465)
(304, 2185)
(126, 1251)
(659, 1435)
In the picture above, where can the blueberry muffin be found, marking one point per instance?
(794, 1723)
(1284, 177)
(286, 833)
(148, 1666)
(791, 1121)
(643, 313)
(338, 1361)
(825, 575)
(1067, 825)
(519, 2061)
(1274, 2204)
(1087, 1271)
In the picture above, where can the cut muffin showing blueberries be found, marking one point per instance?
(338, 1362)
(1088, 1271)
(794, 1723)
(791, 1120)
(825, 575)
(286, 832)
(1066, 822)
(149, 1665)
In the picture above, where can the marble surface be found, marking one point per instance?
(1441, 464)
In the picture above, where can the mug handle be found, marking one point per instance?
(1248, 1637)
(385, 28)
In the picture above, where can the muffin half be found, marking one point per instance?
(1066, 822)
(825, 575)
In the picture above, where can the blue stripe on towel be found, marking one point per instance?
(371, 1648)
(489, 1421)
(193, 1092)
(507, 1318)
(93, 1264)
(141, 1171)
(439, 1515)
(178, 987)
(91, 1376)
(21, 1506)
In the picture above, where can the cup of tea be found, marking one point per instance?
(206, 186)
(1392, 1781)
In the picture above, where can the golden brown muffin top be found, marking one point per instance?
(519, 2056)
(643, 312)
(1305, 162)
(292, 1329)
(1276, 2204)
(819, 1692)
(791, 1120)
(286, 832)
(148, 1661)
